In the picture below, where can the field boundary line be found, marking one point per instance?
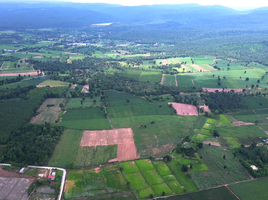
(162, 80)
(232, 192)
(162, 176)
(140, 76)
(176, 81)
(2, 64)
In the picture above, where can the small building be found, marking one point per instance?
(22, 170)
(52, 176)
(254, 167)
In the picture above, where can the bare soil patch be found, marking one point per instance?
(221, 90)
(123, 138)
(212, 143)
(4, 173)
(16, 74)
(164, 61)
(162, 80)
(176, 81)
(185, 109)
(122, 45)
(197, 67)
(2, 65)
(206, 108)
(240, 123)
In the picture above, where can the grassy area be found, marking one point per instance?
(162, 168)
(152, 177)
(241, 131)
(145, 164)
(87, 156)
(31, 172)
(77, 174)
(115, 182)
(221, 193)
(161, 189)
(76, 103)
(67, 149)
(92, 172)
(92, 118)
(136, 180)
(183, 179)
(216, 158)
(152, 77)
(233, 142)
(245, 190)
(129, 167)
(146, 192)
(53, 83)
(176, 187)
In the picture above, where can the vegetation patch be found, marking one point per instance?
(146, 192)
(136, 180)
(233, 142)
(145, 164)
(162, 168)
(176, 187)
(152, 177)
(161, 189)
(77, 174)
(115, 182)
(129, 167)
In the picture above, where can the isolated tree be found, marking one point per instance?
(247, 79)
(184, 168)
(224, 157)
(191, 165)
(71, 165)
(127, 99)
(94, 101)
(163, 194)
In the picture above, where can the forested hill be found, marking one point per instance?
(65, 14)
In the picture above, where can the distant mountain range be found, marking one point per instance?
(66, 14)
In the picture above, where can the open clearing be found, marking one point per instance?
(48, 113)
(212, 143)
(14, 188)
(126, 149)
(185, 109)
(22, 74)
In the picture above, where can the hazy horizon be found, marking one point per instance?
(227, 3)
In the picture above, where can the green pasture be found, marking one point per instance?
(241, 131)
(67, 148)
(144, 120)
(25, 83)
(137, 182)
(110, 169)
(95, 156)
(129, 167)
(185, 59)
(146, 192)
(255, 189)
(185, 181)
(119, 99)
(220, 193)
(162, 168)
(197, 165)
(76, 189)
(31, 172)
(152, 77)
(92, 118)
(224, 120)
(246, 116)
(53, 83)
(76, 102)
(115, 182)
(184, 80)
(255, 103)
(160, 188)
(176, 187)
(94, 172)
(133, 74)
(202, 61)
(152, 177)
(169, 80)
(139, 110)
(173, 60)
(244, 140)
(217, 174)
(233, 142)
(161, 136)
(58, 177)
(169, 178)
(191, 68)
(207, 67)
(115, 196)
(77, 174)
(145, 164)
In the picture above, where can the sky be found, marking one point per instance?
(228, 3)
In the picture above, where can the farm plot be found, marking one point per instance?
(129, 167)
(123, 138)
(49, 111)
(159, 139)
(133, 74)
(223, 168)
(185, 109)
(53, 83)
(137, 182)
(152, 77)
(185, 81)
(169, 80)
(92, 118)
(241, 131)
(76, 103)
(245, 190)
(221, 193)
(119, 99)
(14, 188)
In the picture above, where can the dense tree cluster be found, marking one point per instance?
(11, 80)
(31, 144)
(223, 101)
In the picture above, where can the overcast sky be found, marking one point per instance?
(228, 3)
